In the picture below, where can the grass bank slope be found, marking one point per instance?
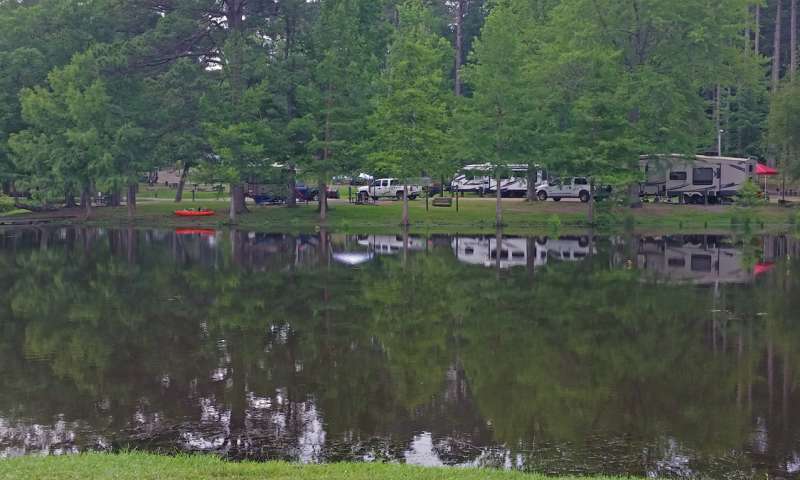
(143, 466)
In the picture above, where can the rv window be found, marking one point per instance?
(676, 262)
(677, 176)
(703, 176)
(701, 263)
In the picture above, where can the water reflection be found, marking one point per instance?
(672, 355)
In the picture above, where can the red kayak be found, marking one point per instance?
(195, 231)
(194, 213)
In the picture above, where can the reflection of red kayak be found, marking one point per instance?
(194, 213)
(196, 231)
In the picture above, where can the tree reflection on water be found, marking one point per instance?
(644, 355)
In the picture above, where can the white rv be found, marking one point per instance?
(478, 179)
(391, 244)
(515, 253)
(697, 259)
(697, 179)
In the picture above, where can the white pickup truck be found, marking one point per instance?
(574, 187)
(387, 187)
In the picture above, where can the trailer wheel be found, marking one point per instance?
(584, 196)
(542, 195)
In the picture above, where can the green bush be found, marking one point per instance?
(6, 204)
(750, 195)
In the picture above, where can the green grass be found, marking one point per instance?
(475, 215)
(141, 466)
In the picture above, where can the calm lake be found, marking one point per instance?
(661, 356)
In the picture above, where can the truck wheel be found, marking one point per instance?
(556, 199)
(399, 195)
(411, 197)
(584, 196)
(542, 195)
(363, 197)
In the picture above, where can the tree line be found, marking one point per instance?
(95, 94)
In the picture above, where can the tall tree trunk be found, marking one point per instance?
(718, 118)
(405, 222)
(69, 200)
(776, 48)
(498, 208)
(757, 41)
(747, 33)
(6, 187)
(182, 182)
(591, 201)
(234, 210)
(291, 186)
(322, 199)
(530, 193)
(793, 40)
(131, 201)
(459, 47)
(86, 202)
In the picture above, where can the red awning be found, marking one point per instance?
(762, 268)
(762, 169)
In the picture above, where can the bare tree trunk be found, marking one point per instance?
(591, 201)
(182, 183)
(322, 198)
(498, 208)
(718, 116)
(69, 200)
(86, 202)
(793, 40)
(234, 206)
(776, 48)
(530, 193)
(747, 34)
(6, 187)
(459, 47)
(758, 30)
(405, 222)
(131, 201)
(291, 198)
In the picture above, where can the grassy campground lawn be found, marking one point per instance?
(141, 466)
(474, 215)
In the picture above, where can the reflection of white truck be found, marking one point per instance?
(515, 251)
(574, 187)
(478, 179)
(387, 188)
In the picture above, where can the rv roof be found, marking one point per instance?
(705, 158)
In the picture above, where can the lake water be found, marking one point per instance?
(668, 356)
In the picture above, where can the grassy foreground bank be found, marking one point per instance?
(146, 466)
(473, 215)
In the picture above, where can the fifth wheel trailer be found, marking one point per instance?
(695, 178)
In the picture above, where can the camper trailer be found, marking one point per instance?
(478, 179)
(518, 252)
(698, 179)
(697, 259)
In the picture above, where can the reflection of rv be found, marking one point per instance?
(515, 251)
(695, 259)
(390, 244)
(695, 179)
(478, 179)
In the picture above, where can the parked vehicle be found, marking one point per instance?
(697, 179)
(520, 252)
(263, 193)
(572, 187)
(391, 244)
(698, 259)
(387, 188)
(478, 179)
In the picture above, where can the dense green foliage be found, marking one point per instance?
(95, 95)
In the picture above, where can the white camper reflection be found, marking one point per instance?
(390, 244)
(699, 259)
(520, 252)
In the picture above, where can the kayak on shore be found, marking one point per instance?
(194, 213)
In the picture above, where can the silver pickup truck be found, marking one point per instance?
(387, 188)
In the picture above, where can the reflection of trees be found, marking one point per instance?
(247, 347)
